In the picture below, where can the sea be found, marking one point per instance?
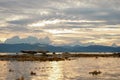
(74, 69)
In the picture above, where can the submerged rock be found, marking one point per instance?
(21, 78)
(95, 72)
(10, 70)
(33, 73)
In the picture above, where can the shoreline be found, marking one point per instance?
(51, 57)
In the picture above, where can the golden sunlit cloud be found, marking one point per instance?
(44, 23)
(60, 31)
(49, 22)
(16, 17)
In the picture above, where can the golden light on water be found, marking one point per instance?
(77, 69)
(56, 72)
(3, 69)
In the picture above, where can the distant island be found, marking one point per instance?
(92, 48)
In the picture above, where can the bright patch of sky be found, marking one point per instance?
(63, 22)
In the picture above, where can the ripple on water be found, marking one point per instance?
(77, 69)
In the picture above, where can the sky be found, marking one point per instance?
(60, 22)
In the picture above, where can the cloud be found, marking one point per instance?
(83, 20)
(29, 39)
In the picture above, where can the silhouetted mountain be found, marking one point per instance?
(51, 48)
(16, 47)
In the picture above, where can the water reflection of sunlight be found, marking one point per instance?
(3, 70)
(56, 72)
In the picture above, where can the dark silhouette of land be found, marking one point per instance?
(92, 48)
(51, 57)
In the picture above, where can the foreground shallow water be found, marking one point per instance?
(76, 69)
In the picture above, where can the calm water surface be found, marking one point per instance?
(77, 69)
